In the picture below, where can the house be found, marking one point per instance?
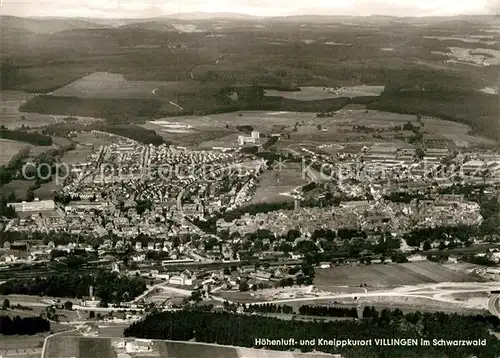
(181, 280)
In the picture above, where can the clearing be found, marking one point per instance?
(318, 93)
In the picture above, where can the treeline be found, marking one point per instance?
(26, 137)
(109, 287)
(241, 330)
(139, 134)
(22, 326)
(326, 311)
(269, 308)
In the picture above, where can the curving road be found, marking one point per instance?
(494, 305)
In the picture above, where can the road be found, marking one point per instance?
(494, 305)
(172, 103)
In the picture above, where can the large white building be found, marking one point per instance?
(242, 140)
(37, 205)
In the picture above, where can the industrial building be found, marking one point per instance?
(254, 137)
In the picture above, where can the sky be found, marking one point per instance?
(261, 8)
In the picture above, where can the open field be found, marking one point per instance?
(46, 190)
(388, 275)
(274, 184)
(459, 133)
(259, 120)
(18, 187)
(112, 85)
(63, 346)
(405, 304)
(86, 347)
(318, 93)
(220, 129)
(11, 118)
(77, 155)
(21, 346)
(9, 148)
(94, 139)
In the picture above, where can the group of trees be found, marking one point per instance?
(27, 137)
(6, 211)
(22, 326)
(418, 236)
(241, 330)
(108, 286)
(269, 308)
(326, 311)
(478, 260)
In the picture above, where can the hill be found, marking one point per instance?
(45, 25)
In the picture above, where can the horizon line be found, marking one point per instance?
(249, 16)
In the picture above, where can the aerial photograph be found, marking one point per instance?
(249, 179)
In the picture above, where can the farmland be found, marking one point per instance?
(389, 275)
(86, 347)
